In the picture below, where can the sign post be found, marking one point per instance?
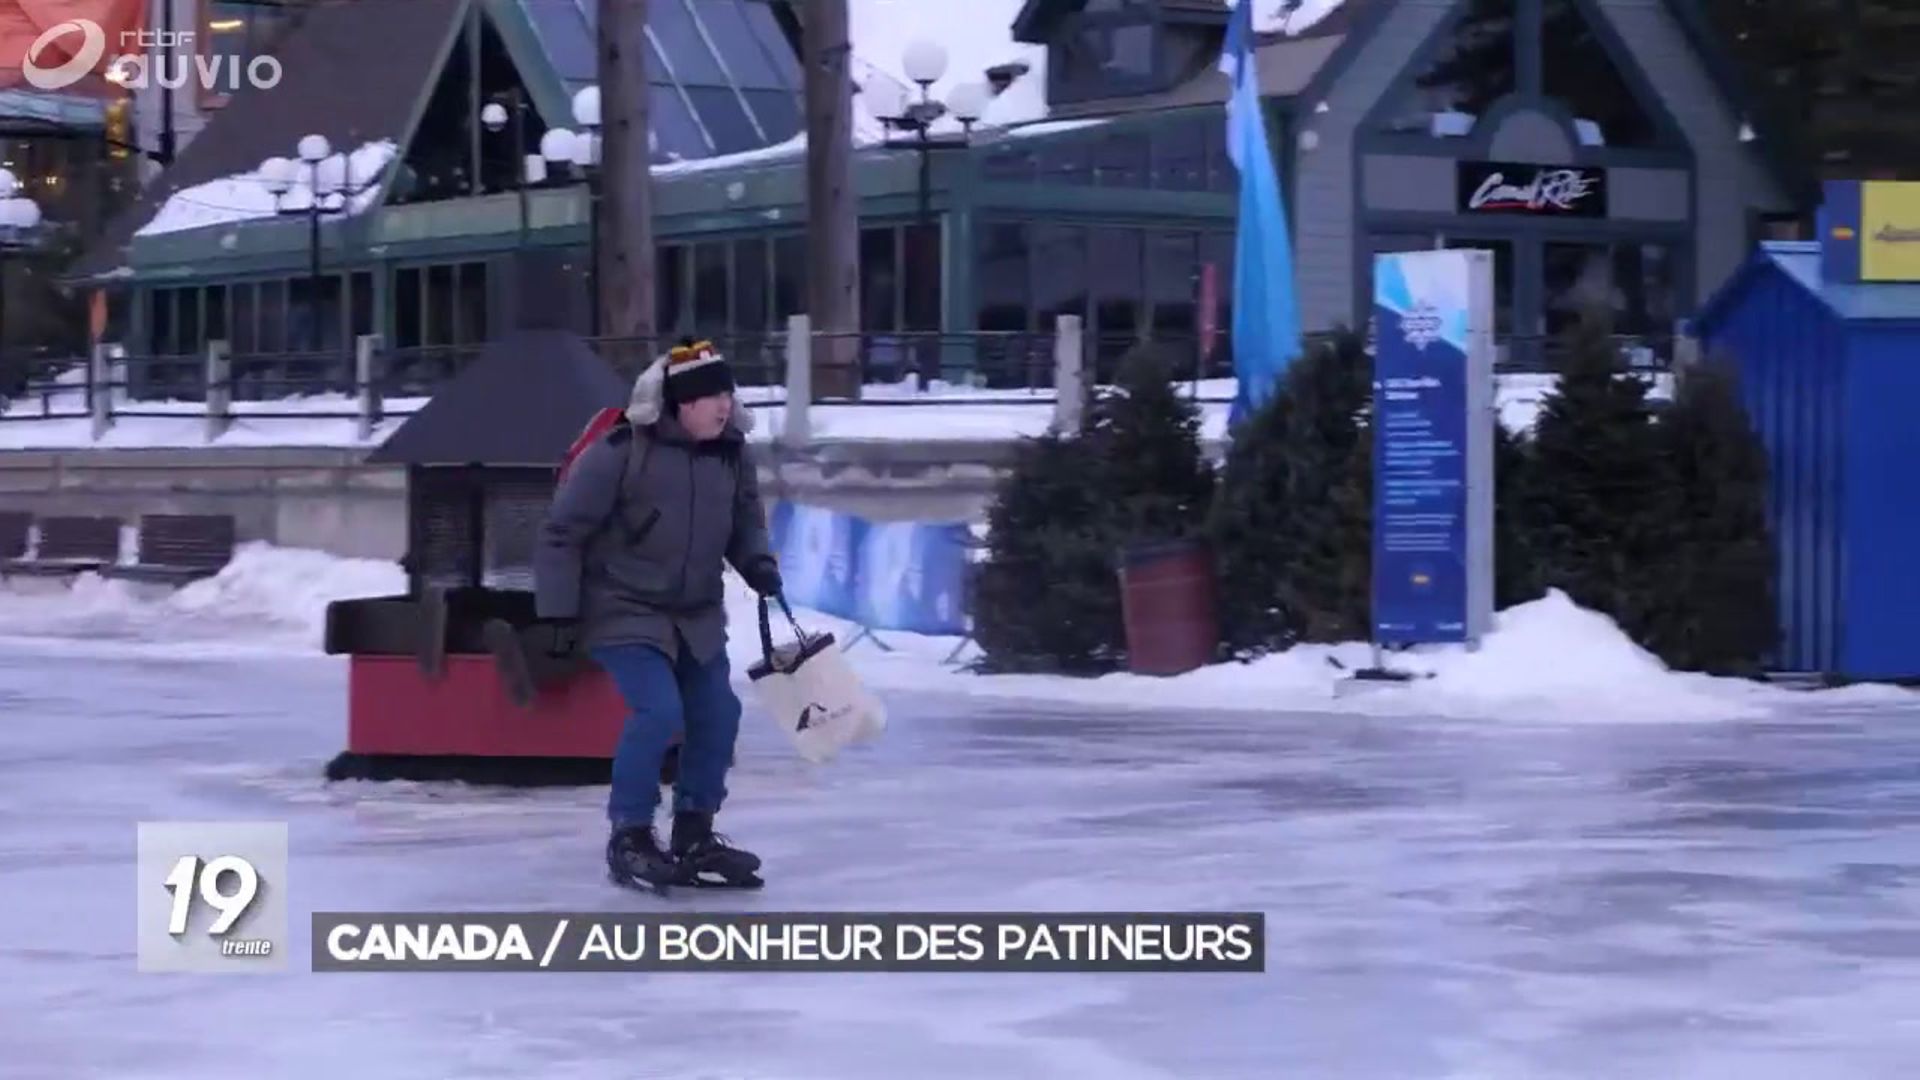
(1433, 448)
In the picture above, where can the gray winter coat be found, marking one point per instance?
(640, 530)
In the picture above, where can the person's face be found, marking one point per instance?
(706, 418)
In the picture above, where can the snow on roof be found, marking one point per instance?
(1272, 17)
(977, 35)
(246, 196)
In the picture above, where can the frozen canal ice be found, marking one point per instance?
(1445, 899)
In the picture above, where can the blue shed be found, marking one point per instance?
(1830, 372)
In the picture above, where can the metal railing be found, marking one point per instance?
(373, 381)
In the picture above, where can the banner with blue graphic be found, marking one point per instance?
(913, 578)
(818, 551)
(1433, 446)
(909, 576)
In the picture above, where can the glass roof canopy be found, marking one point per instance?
(724, 79)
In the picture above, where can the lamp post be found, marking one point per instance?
(511, 107)
(328, 187)
(924, 62)
(19, 217)
(581, 149)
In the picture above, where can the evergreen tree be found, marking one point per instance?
(1598, 498)
(1154, 477)
(1721, 615)
(1294, 522)
(1048, 599)
(1248, 515)
(1045, 599)
(1516, 570)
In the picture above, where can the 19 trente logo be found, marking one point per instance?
(191, 874)
(132, 68)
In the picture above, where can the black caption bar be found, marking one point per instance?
(790, 941)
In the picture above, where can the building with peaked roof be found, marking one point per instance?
(1600, 148)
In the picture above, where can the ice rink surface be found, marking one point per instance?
(1558, 896)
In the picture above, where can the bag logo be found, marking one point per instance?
(811, 716)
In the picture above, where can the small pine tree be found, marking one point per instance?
(1248, 514)
(1516, 569)
(1153, 475)
(1294, 524)
(1045, 599)
(1598, 496)
(1721, 616)
(1048, 598)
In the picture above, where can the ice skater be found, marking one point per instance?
(629, 567)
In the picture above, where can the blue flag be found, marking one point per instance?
(1266, 314)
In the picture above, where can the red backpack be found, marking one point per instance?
(597, 427)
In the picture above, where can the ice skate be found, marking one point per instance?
(705, 859)
(634, 860)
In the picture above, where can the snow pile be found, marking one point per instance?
(267, 598)
(246, 196)
(1552, 654)
(1547, 661)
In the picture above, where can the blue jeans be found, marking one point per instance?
(668, 697)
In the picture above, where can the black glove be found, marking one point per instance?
(559, 637)
(763, 576)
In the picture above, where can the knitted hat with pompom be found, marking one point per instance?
(695, 369)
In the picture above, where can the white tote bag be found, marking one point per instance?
(812, 693)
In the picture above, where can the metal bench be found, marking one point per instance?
(69, 546)
(178, 548)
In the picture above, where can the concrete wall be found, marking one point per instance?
(330, 500)
(323, 499)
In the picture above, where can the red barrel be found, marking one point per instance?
(1168, 602)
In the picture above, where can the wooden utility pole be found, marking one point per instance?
(626, 286)
(833, 211)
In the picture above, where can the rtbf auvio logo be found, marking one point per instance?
(1420, 325)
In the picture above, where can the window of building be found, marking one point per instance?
(922, 272)
(669, 289)
(879, 279)
(750, 285)
(710, 290)
(1576, 68)
(1472, 70)
(725, 76)
(1107, 50)
(1062, 289)
(1633, 283)
(1180, 157)
(1502, 277)
(1003, 286)
(1121, 159)
(1115, 259)
(1173, 281)
(789, 276)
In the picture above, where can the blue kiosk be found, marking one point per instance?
(1825, 336)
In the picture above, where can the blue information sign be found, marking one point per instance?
(1433, 454)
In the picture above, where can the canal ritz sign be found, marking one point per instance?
(1499, 187)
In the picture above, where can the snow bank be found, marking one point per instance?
(1549, 661)
(268, 599)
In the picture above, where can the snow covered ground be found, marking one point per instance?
(1551, 860)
